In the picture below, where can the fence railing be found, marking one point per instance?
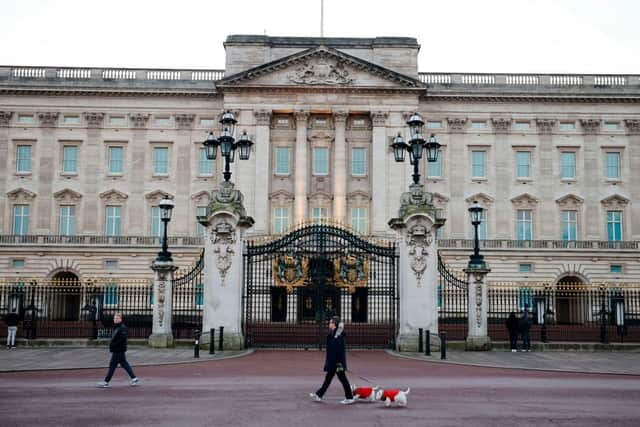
(538, 244)
(109, 74)
(98, 240)
(530, 80)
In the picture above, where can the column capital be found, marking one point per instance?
(5, 117)
(456, 124)
(94, 120)
(263, 117)
(340, 117)
(590, 125)
(184, 121)
(48, 119)
(379, 118)
(545, 125)
(301, 116)
(501, 124)
(633, 126)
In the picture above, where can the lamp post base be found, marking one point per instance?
(478, 343)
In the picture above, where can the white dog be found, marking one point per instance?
(364, 394)
(396, 396)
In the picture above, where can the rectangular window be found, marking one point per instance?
(615, 268)
(436, 124)
(25, 118)
(521, 125)
(525, 225)
(611, 126)
(207, 123)
(614, 226)
(280, 220)
(524, 298)
(283, 122)
(117, 120)
(70, 159)
(163, 121)
(613, 165)
(201, 211)
(478, 159)
(434, 169)
(359, 220)
(110, 294)
(524, 164)
(111, 264)
(568, 160)
(320, 213)
(23, 159)
(358, 122)
(67, 220)
(71, 120)
(321, 161)
(161, 161)
(569, 225)
(21, 220)
(482, 227)
(358, 161)
(113, 220)
(282, 161)
(156, 223)
(199, 297)
(116, 160)
(440, 233)
(205, 166)
(567, 126)
(17, 263)
(478, 125)
(524, 268)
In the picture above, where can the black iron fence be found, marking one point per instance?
(74, 309)
(452, 295)
(188, 300)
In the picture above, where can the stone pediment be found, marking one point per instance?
(281, 195)
(524, 200)
(439, 199)
(358, 195)
(570, 200)
(615, 201)
(323, 67)
(482, 198)
(67, 195)
(20, 195)
(320, 195)
(113, 195)
(201, 196)
(157, 195)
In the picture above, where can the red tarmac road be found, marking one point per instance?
(270, 388)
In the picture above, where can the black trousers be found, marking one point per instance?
(118, 358)
(343, 380)
(514, 340)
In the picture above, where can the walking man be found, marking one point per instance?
(335, 363)
(118, 348)
(524, 325)
(12, 327)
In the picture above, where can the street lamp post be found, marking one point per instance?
(476, 260)
(227, 143)
(166, 206)
(416, 146)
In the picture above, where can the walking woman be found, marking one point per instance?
(335, 363)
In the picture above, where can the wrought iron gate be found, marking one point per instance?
(293, 285)
(188, 300)
(453, 299)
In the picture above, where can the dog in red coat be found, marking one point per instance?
(364, 394)
(396, 396)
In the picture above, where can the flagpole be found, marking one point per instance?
(321, 18)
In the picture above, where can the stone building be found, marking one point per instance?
(86, 154)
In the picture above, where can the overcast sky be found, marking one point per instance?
(561, 36)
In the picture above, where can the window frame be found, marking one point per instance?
(205, 161)
(279, 218)
(276, 159)
(574, 154)
(620, 237)
(112, 233)
(24, 224)
(474, 165)
(362, 162)
(20, 160)
(76, 148)
(315, 171)
(568, 222)
(521, 222)
(111, 147)
(70, 221)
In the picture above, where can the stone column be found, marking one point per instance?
(340, 170)
(477, 338)
(161, 333)
(263, 170)
(5, 119)
(633, 153)
(302, 167)
(379, 150)
(417, 225)
(226, 222)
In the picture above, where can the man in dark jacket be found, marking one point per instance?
(524, 325)
(12, 328)
(512, 327)
(118, 348)
(335, 363)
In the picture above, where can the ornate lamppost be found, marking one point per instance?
(166, 206)
(416, 146)
(476, 260)
(227, 143)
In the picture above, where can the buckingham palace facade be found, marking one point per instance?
(86, 154)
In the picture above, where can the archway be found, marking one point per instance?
(570, 301)
(65, 296)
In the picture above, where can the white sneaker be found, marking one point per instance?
(514, 351)
(103, 384)
(134, 382)
(347, 401)
(315, 397)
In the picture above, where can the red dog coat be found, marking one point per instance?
(391, 394)
(363, 392)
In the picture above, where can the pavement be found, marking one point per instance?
(51, 358)
(271, 389)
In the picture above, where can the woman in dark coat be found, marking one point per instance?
(512, 327)
(335, 362)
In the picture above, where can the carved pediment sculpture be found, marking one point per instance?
(21, 195)
(67, 195)
(321, 71)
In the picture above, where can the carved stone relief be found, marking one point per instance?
(321, 71)
(590, 125)
(633, 126)
(223, 237)
(456, 123)
(184, 121)
(139, 120)
(5, 117)
(379, 118)
(263, 117)
(48, 119)
(94, 120)
(545, 125)
(501, 125)
(418, 239)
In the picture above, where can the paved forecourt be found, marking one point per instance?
(270, 388)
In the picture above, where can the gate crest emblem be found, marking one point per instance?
(290, 271)
(351, 272)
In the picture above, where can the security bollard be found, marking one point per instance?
(212, 346)
(221, 339)
(427, 343)
(420, 340)
(196, 346)
(443, 345)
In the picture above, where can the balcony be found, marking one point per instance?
(98, 240)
